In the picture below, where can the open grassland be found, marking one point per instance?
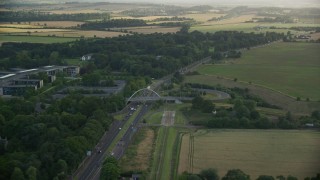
(15, 25)
(76, 33)
(256, 152)
(233, 20)
(238, 25)
(41, 24)
(59, 32)
(291, 68)
(137, 156)
(35, 39)
(154, 117)
(168, 152)
(299, 108)
(8, 30)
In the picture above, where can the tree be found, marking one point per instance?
(236, 174)
(31, 173)
(207, 106)
(197, 102)
(209, 174)
(185, 28)
(92, 79)
(110, 169)
(61, 166)
(291, 178)
(17, 174)
(265, 177)
(280, 177)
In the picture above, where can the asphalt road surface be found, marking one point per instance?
(92, 167)
(92, 163)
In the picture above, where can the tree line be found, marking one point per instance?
(25, 16)
(113, 23)
(153, 55)
(235, 174)
(51, 143)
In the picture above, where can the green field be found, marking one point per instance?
(249, 27)
(291, 68)
(256, 152)
(35, 39)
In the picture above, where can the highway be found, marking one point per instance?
(91, 164)
(90, 168)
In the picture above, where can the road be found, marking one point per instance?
(90, 168)
(91, 164)
(122, 145)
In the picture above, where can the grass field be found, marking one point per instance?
(31, 30)
(256, 152)
(287, 103)
(154, 117)
(137, 156)
(35, 39)
(239, 25)
(291, 68)
(41, 24)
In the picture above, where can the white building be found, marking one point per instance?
(86, 57)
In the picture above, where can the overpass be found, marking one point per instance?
(147, 95)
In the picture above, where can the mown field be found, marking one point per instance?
(42, 24)
(58, 32)
(256, 152)
(291, 68)
(35, 39)
(240, 23)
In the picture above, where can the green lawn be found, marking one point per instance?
(35, 39)
(291, 68)
(154, 117)
(167, 165)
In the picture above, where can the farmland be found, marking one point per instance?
(35, 39)
(41, 24)
(256, 152)
(291, 68)
(234, 25)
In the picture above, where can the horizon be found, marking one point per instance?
(250, 3)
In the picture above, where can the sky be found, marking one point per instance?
(281, 3)
(277, 3)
